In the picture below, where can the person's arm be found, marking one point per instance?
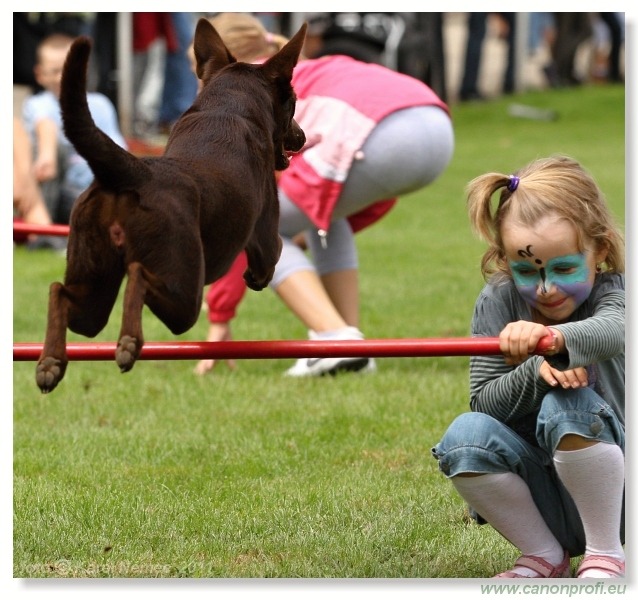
(370, 214)
(27, 198)
(225, 294)
(504, 391)
(22, 162)
(46, 159)
(597, 338)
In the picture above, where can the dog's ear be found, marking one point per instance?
(283, 63)
(211, 53)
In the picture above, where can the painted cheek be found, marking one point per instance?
(527, 285)
(578, 292)
(528, 293)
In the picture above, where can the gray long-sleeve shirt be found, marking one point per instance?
(594, 338)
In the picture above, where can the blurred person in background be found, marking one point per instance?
(372, 134)
(61, 172)
(28, 202)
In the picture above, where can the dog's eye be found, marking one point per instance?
(289, 106)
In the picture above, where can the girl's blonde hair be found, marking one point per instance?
(557, 185)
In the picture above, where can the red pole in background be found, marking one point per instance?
(27, 228)
(87, 351)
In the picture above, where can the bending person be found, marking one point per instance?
(372, 135)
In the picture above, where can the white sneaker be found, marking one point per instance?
(317, 367)
(371, 367)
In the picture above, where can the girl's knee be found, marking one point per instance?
(579, 413)
(468, 429)
(468, 445)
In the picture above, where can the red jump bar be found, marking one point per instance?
(87, 351)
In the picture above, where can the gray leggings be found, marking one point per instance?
(406, 151)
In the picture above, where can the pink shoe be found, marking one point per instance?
(613, 566)
(540, 566)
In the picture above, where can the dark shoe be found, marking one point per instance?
(471, 97)
(551, 75)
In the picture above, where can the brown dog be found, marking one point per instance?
(174, 223)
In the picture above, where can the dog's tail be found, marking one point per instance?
(113, 166)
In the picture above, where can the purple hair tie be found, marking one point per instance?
(513, 184)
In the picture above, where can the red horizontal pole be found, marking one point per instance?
(60, 230)
(87, 351)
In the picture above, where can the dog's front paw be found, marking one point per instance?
(127, 352)
(252, 283)
(49, 372)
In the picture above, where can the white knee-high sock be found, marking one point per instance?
(594, 477)
(505, 502)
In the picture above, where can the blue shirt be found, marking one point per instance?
(77, 173)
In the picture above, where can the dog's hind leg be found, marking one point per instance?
(79, 307)
(53, 359)
(131, 339)
(178, 310)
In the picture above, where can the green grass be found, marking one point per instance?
(248, 474)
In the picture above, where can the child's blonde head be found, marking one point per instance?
(50, 56)
(55, 42)
(245, 36)
(556, 185)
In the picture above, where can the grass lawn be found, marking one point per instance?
(247, 474)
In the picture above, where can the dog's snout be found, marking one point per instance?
(295, 139)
